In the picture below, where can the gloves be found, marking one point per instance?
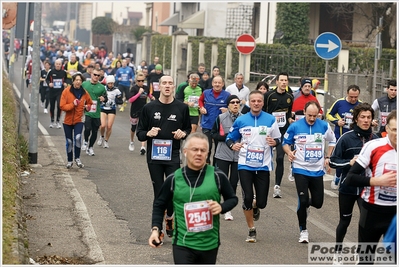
(76, 102)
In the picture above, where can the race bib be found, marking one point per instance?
(198, 217)
(93, 108)
(383, 118)
(313, 152)
(155, 86)
(348, 117)
(161, 149)
(388, 193)
(194, 99)
(57, 83)
(280, 118)
(254, 156)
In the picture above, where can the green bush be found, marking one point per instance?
(296, 59)
(161, 46)
(12, 156)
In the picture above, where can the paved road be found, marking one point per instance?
(116, 193)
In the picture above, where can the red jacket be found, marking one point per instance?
(74, 114)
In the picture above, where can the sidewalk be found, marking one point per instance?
(59, 230)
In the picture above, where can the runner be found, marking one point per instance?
(108, 111)
(163, 123)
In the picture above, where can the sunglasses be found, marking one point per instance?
(97, 75)
(140, 80)
(234, 102)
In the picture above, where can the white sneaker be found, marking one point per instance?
(335, 183)
(90, 151)
(131, 146)
(42, 104)
(79, 163)
(100, 141)
(337, 260)
(58, 125)
(304, 236)
(84, 146)
(51, 125)
(105, 144)
(277, 191)
(291, 177)
(45, 111)
(69, 164)
(228, 216)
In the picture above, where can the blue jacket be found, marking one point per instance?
(212, 107)
(251, 130)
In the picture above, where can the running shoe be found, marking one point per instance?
(142, 150)
(58, 125)
(228, 216)
(335, 183)
(251, 238)
(169, 226)
(100, 141)
(277, 191)
(84, 146)
(304, 236)
(42, 104)
(45, 111)
(69, 164)
(105, 144)
(122, 109)
(256, 213)
(51, 125)
(79, 163)
(90, 151)
(291, 177)
(131, 146)
(337, 260)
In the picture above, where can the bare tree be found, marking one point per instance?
(372, 13)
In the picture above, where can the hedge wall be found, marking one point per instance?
(298, 60)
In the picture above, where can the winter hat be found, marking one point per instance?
(158, 67)
(231, 97)
(306, 80)
(110, 79)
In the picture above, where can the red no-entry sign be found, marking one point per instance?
(245, 44)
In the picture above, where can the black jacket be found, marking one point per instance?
(348, 146)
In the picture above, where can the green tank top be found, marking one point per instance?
(197, 218)
(193, 95)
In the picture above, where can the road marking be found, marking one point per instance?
(88, 234)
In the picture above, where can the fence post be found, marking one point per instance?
(189, 56)
(201, 52)
(215, 53)
(179, 40)
(229, 57)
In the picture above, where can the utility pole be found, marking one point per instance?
(25, 48)
(377, 56)
(36, 69)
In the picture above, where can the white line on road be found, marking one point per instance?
(88, 233)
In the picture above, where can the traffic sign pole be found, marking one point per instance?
(245, 45)
(327, 46)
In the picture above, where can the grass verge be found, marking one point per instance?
(15, 160)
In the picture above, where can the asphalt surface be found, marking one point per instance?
(101, 214)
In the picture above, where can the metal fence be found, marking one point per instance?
(338, 83)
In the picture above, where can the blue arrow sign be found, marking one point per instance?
(327, 45)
